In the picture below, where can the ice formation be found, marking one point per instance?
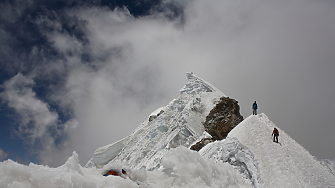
(239, 156)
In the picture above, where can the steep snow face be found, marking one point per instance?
(177, 124)
(283, 164)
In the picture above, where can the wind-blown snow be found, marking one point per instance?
(283, 164)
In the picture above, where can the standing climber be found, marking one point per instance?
(254, 108)
(275, 134)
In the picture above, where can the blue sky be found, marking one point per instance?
(18, 21)
(77, 75)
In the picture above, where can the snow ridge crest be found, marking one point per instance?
(196, 85)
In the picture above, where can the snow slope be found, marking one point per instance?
(330, 164)
(283, 164)
(177, 124)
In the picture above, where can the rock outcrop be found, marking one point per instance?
(223, 118)
(220, 121)
(202, 143)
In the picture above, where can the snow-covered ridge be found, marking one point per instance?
(177, 124)
(283, 164)
(197, 85)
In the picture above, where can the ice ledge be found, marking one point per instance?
(236, 154)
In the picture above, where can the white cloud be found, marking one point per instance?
(3, 155)
(34, 115)
(38, 125)
(65, 42)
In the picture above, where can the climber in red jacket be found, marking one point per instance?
(275, 134)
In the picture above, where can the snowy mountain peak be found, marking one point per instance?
(177, 124)
(157, 154)
(196, 85)
(248, 148)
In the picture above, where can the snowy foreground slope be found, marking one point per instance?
(283, 164)
(182, 168)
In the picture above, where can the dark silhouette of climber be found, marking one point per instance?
(254, 108)
(275, 134)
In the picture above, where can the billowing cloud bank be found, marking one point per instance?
(103, 71)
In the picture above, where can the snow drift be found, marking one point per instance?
(181, 168)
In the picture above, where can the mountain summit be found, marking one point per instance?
(204, 119)
(180, 123)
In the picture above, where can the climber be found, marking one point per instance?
(254, 108)
(275, 134)
(111, 172)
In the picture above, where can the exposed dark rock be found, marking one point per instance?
(201, 144)
(223, 118)
(220, 121)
